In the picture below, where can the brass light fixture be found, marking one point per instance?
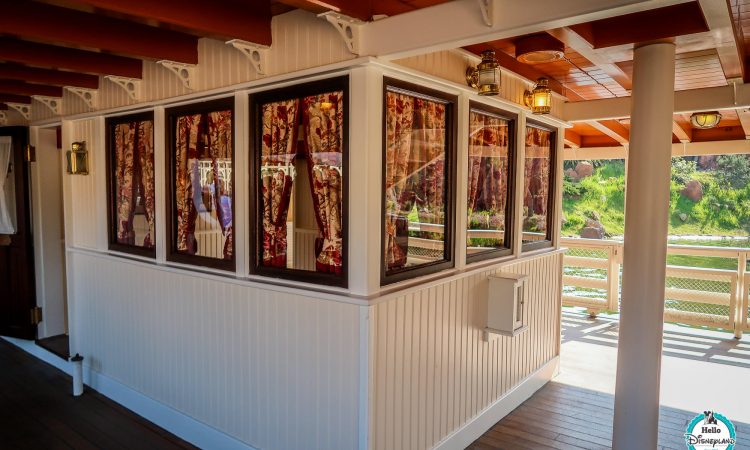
(539, 99)
(78, 159)
(485, 77)
(705, 120)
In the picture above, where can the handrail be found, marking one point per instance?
(695, 295)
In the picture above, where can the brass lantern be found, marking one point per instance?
(485, 77)
(705, 120)
(78, 159)
(539, 99)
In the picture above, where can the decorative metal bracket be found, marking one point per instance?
(348, 28)
(487, 8)
(89, 96)
(22, 108)
(3, 118)
(185, 72)
(256, 53)
(131, 85)
(53, 103)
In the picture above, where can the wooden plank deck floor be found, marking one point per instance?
(38, 411)
(575, 410)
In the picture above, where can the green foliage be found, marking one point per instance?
(683, 170)
(733, 170)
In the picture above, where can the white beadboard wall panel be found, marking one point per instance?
(432, 371)
(275, 370)
(84, 188)
(451, 65)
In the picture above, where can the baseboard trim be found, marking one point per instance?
(472, 430)
(177, 423)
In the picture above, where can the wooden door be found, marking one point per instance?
(17, 294)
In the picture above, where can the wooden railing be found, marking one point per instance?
(695, 295)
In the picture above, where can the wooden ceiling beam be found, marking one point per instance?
(56, 25)
(11, 98)
(249, 20)
(21, 88)
(572, 139)
(744, 116)
(684, 135)
(47, 76)
(52, 57)
(360, 9)
(613, 129)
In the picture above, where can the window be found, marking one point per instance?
(130, 161)
(418, 181)
(490, 177)
(300, 190)
(538, 187)
(200, 162)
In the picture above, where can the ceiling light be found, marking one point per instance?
(538, 49)
(705, 120)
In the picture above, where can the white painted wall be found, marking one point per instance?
(49, 240)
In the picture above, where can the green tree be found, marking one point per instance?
(733, 170)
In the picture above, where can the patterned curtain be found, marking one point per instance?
(537, 174)
(134, 171)
(206, 136)
(488, 166)
(399, 200)
(428, 160)
(323, 125)
(278, 150)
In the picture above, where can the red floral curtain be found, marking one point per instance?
(398, 198)
(205, 136)
(134, 175)
(488, 166)
(278, 150)
(537, 176)
(323, 125)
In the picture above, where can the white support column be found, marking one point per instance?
(636, 419)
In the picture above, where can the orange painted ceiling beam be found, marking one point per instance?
(54, 25)
(249, 20)
(53, 57)
(359, 9)
(48, 76)
(10, 98)
(21, 88)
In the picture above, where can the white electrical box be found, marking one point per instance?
(506, 309)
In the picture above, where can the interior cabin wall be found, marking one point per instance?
(433, 371)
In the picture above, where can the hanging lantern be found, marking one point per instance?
(485, 77)
(705, 120)
(539, 99)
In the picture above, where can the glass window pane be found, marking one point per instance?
(133, 156)
(537, 171)
(415, 191)
(203, 185)
(488, 178)
(302, 183)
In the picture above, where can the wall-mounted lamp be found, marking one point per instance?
(78, 159)
(485, 77)
(705, 120)
(540, 98)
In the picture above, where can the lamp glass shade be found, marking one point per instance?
(541, 98)
(77, 159)
(488, 74)
(705, 120)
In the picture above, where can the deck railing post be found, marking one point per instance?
(613, 279)
(740, 310)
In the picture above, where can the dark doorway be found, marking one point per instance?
(17, 295)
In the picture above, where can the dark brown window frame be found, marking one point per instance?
(172, 114)
(448, 261)
(111, 123)
(547, 241)
(340, 83)
(510, 203)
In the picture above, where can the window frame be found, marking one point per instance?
(171, 114)
(547, 242)
(451, 109)
(297, 91)
(110, 125)
(510, 205)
